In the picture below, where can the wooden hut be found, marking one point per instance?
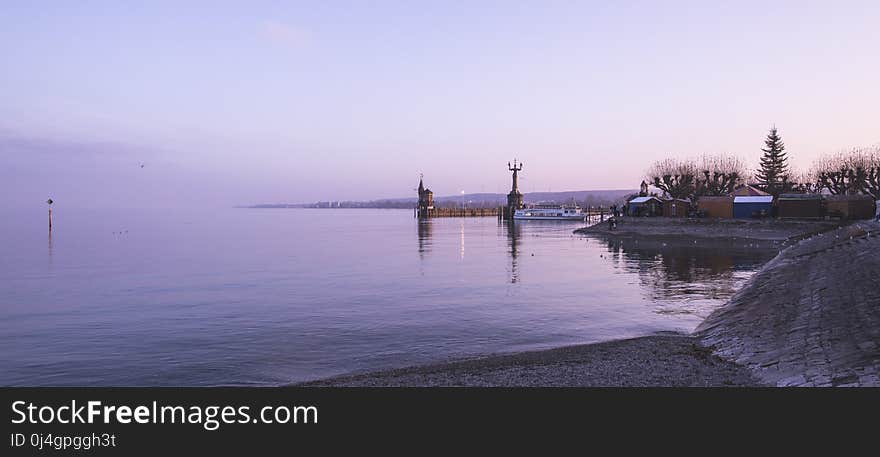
(745, 190)
(721, 207)
(644, 206)
(752, 206)
(676, 207)
(802, 206)
(850, 206)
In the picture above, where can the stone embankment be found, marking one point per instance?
(733, 232)
(811, 316)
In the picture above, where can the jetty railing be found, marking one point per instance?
(592, 215)
(459, 212)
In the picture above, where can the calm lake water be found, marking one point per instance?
(273, 296)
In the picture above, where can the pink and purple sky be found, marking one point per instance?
(229, 103)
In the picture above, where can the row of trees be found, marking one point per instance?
(856, 171)
(687, 178)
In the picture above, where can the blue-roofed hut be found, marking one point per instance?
(644, 206)
(752, 206)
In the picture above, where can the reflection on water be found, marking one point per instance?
(269, 297)
(672, 279)
(424, 226)
(461, 238)
(514, 233)
(684, 279)
(508, 230)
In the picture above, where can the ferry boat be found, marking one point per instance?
(550, 213)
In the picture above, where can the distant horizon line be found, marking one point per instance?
(448, 197)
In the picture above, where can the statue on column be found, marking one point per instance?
(515, 197)
(515, 169)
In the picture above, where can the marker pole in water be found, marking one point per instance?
(49, 202)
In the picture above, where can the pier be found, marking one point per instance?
(426, 209)
(457, 212)
(592, 214)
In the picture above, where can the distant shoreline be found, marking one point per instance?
(472, 200)
(317, 207)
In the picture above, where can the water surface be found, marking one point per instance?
(273, 296)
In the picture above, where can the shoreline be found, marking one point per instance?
(723, 350)
(673, 360)
(749, 233)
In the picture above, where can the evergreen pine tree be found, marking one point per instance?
(772, 176)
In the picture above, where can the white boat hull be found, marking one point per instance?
(548, 218)
(549, 214)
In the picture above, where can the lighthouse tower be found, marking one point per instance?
(426, 200)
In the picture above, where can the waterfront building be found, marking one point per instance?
(644, 206)
(745, 207)
(850, 206)
(676, 207)
(745, 190)
(426, 199)
(720, 207)
(799, 206)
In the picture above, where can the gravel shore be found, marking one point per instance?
(659, 360)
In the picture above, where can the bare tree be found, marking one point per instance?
(866, 163)
(830, 172)
(675, 178)
(856, 171)
(719, 175)
(804, 181)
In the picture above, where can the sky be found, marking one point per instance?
(236, 103)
